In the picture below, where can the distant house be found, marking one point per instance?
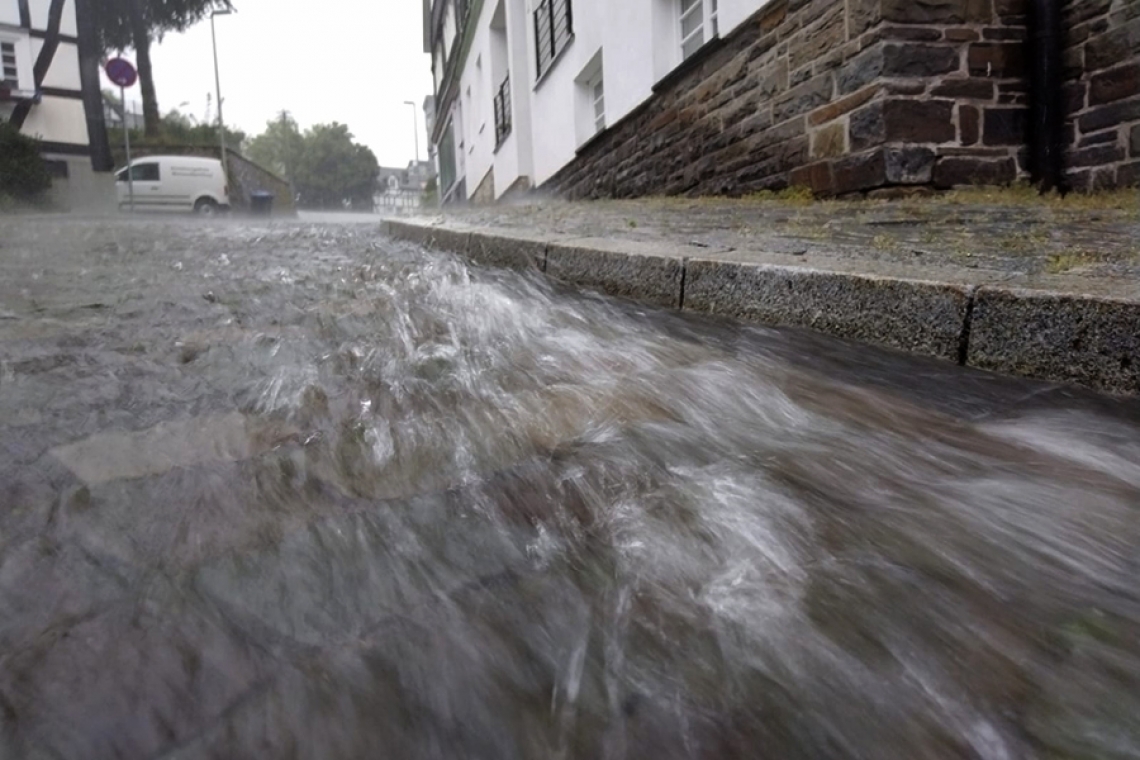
(618, 98)
(402, 190)
(50, 91)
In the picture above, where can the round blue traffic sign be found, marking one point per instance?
(121, 72)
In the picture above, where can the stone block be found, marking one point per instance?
(919, 60)
(860, 71)
(1115, 84)
(965, 170)
(620, 269)
(1096, 155)
(996, 59)
(1091, 341)
(829, 142)
(494, 250)
(1098, 138)
(919, 317)
(862, 15)
(867, 127)
(859, 172)
(1114, 47)
(840, 107)
(803, 98)
(429, 236)
(817, 176)
(1005, 126)
(1078, 12)
(919, 121)
(968, 125)
(1073, 96)
(1134, 141)
(1007, 8)
(938, 11)
(909, 166)
(958, 34)
(974, 89)
(773, 17)
(815, 41)
(1128, 175)
(911, 33)
(1111, 115)
(1004, 33)
(1073, 63)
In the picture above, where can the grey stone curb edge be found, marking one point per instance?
(1084, 340)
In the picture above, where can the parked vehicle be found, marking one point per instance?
(175, 183)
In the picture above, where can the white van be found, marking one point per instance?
(174, 183)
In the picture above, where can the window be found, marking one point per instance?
(590, 100)
(393, 183)
(140, 173)
(11, 70)
(503, 112)
(598, 93)
(553, 30)
(698, 25)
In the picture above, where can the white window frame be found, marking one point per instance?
(22, 45)
(706, 30)
(598, 101)
(589, 104)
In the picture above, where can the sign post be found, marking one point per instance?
(122, 72)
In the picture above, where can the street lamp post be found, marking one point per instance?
(218, 88)
(415, 128)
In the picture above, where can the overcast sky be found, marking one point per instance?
(352, 61)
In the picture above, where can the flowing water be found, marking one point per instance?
(301, 491)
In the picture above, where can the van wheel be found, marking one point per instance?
(206, 207)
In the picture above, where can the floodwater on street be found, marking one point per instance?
(296, 490)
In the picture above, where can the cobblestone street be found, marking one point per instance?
(296, 489)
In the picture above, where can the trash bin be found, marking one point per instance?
(261, 203)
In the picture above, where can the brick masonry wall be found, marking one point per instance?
(853, 96)
(1102, 93)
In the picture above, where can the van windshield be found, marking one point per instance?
(141, 173)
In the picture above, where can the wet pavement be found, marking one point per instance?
(298, 490)
(1011, 238)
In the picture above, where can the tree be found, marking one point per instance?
(279, 147)
(326, 168)
(135, 24)
(181, 129)
(334, 171)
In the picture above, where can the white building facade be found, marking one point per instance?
(522, 85)
(49, 89)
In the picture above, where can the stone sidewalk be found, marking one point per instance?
(999, 280)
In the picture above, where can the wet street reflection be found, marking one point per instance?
(301, 491)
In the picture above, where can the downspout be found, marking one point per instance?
(1046, 112)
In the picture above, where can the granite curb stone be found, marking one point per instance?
(1085, 340)
(1082, 339)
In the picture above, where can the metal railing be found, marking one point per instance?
(503, 111)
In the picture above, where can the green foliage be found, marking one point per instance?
(23, 175)
(122, 24)
(181, 129)
(116, 18)
(279, 147)
(326, 168)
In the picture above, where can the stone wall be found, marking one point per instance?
(858, 96)
(1102, 93)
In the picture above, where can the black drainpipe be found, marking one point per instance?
(1046, 111)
